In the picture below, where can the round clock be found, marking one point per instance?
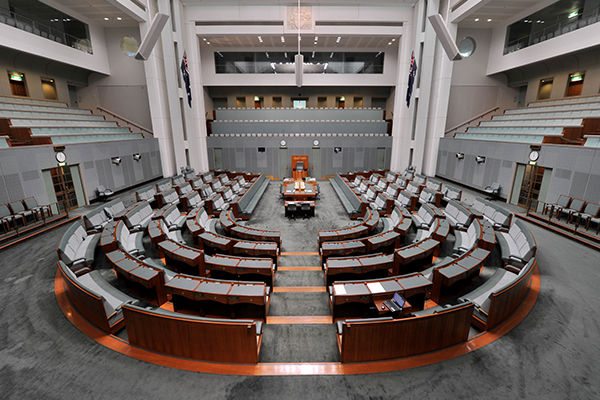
(61, 157)
(282, 143)
(316, 143)
(534, 155)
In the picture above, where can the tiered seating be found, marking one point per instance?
(547, 121)
(51, 122)
(517, 246)
(76, 248)
(301, 123)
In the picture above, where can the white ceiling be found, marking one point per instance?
(498, 11)
(98, 10)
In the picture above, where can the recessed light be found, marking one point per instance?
(282, 39)
(393, 40)
(331, 55)
(207, 42)
(106, 19)
(338, 39)
(476, 19)
(489, 20)
(119, 18)
(204, 39)
(316, 38)
(389, 43)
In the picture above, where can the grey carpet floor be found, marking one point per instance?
(552, 354)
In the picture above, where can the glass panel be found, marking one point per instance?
(283, 63)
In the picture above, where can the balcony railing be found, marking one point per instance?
(26, 24)
(586, 18)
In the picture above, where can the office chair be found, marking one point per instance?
(291, 210)
(493, 190)
(305, 208)
(103, 192)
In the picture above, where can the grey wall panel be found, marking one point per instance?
(575, 169)
(24, 165)
(330, 162)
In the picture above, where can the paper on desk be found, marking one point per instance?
(375, 287)
(340, 289)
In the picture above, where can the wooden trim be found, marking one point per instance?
(300, 319)
(289, 369)
(288, 289)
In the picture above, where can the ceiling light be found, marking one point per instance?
(489, 20)
(313, 54)
(476, 19)
(207, 42)
(316, 38)
(338, 39)
(389, 43)
(282, 39)
(106, 19)
(331, 55)
(260, 39)
(267, 54)
(393, 40)
(285, 54)
(119, 18)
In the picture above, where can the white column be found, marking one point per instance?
(196, 116)
(159, 103)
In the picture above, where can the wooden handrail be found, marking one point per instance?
(483, 114)
(129, 122)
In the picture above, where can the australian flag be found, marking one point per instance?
(186, 78)
(411, 78)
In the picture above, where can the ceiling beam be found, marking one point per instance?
(466, 9)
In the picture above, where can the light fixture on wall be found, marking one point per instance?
(116, 160)
(137, 157)
(480, 159)
(460, 156)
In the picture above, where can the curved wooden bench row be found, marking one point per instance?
(355, 298)
(370, 220)
(498, 298)
(95, 299)
(230, 225)
(76, 248)
(208, 339)
(143, 280)
(213, 243)
(218, 298)
(338, 268)
(374, 340)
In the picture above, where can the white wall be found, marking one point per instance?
(124, 91)
(473, 91)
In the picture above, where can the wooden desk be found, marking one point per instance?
(233, 267)
(342, 234)
(257, 249)
(419, 255)
(341, 249)
(349, 267)
(144, 281)
(300, 194)
(182, 258)
(383, 309)
(108, 240)
(211, 297)
(457, 275)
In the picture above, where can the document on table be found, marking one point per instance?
(340, 289)
(375, 287)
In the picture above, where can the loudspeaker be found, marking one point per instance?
(299, 63)
(152, 36)
(444, 37)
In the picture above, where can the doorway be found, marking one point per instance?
(530, 186)
(73, 101)
(316, 163)
(340, 102)
(218, 153)
(300, 103)
(49, 89)
(17, 84)
(575, 85)
(283, 163)
(545, 89)
(65, 184)
(522, 96)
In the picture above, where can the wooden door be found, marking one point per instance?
(64, 188)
